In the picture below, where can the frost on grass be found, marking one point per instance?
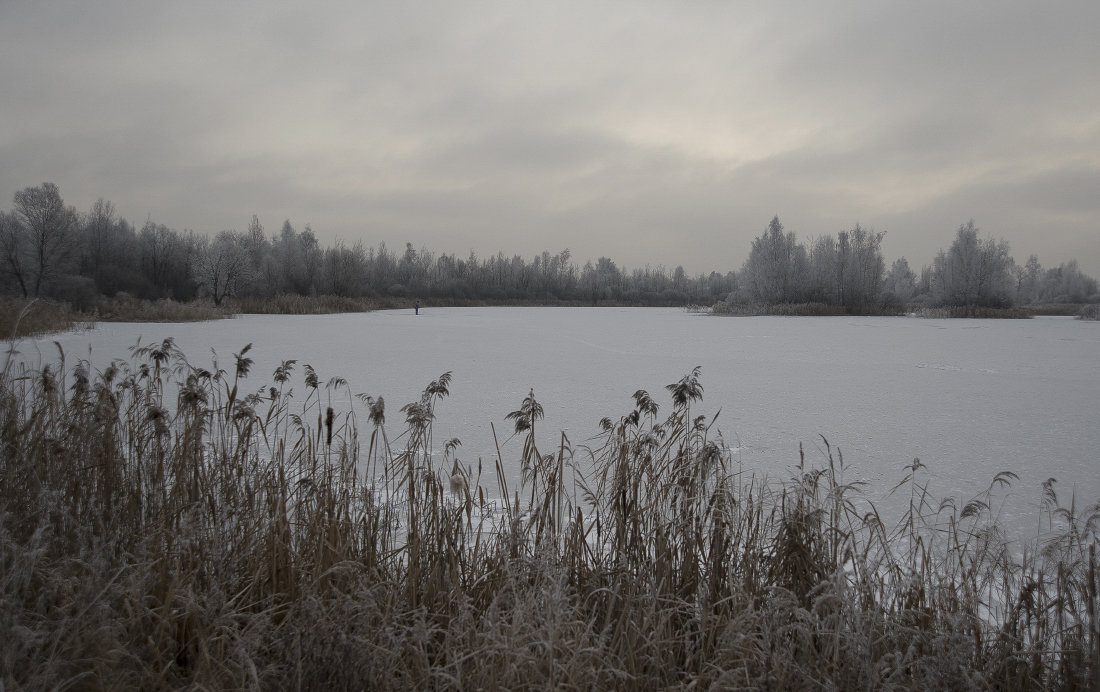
(167, 525)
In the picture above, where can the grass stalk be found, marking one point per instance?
(167, 525)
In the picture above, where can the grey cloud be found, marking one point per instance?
(654, 133)
(538, 154)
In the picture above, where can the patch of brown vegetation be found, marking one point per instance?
(167, 525)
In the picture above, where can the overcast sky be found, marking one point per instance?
(650, 132)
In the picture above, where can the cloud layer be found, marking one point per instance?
(654, 133)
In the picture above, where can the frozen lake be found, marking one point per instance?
(970, 398)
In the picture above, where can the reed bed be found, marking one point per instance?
(167, 525)
(976, 312)
(24, 318)
(123, 308)
(35, 317)
(810, 309)
(287, 304)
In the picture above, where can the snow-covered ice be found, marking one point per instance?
(970, 398)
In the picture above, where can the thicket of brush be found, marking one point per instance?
(163, 525)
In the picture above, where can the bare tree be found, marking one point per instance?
(159, 248)
(49, 227)
(98, 227)
(1028, 278)
(109, 251)
(223, 266)
(14, 251)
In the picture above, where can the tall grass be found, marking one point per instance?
(286, 304)
(976, 311)
(124, 308)
(166, 524)
(21, 318)
(810, 309)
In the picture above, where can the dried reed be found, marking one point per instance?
(163, 525)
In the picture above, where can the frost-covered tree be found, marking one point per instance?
(344, 270)
(847, 270)
(777, 269)
(259, 251)
(900, 284)
(296, 259)
(863, 266)
(1029, 279)
(824, 270)
(974, 271)
(1066, 283)
(601, 281)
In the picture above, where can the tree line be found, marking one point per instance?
(49, 249)
(848, 270)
